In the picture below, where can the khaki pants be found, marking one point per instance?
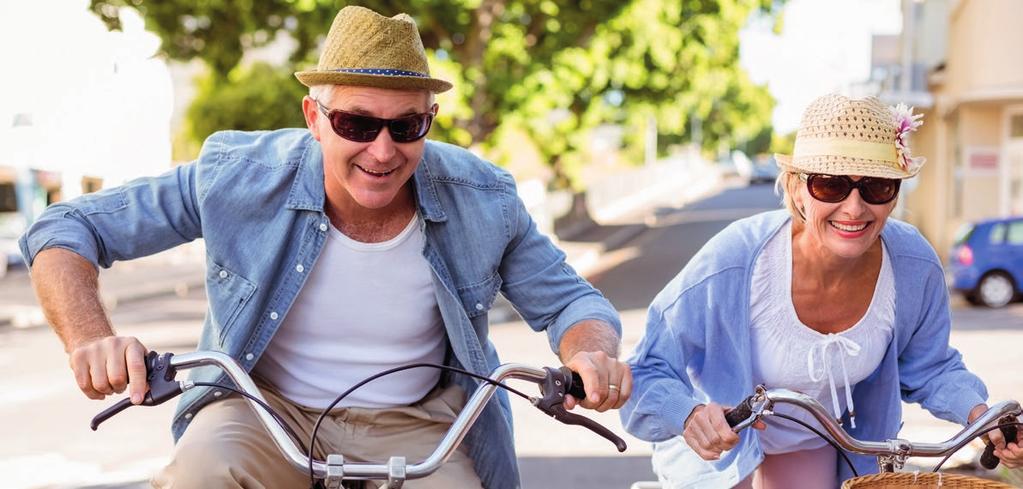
(226, 446)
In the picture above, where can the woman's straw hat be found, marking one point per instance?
(843, 136)
(364, 48)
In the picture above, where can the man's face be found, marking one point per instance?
(367, 175)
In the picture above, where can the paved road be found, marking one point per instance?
(46, 442)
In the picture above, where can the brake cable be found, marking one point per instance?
(339, 398)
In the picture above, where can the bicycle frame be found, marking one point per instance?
(891, 454)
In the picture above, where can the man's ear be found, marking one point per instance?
(312, 114)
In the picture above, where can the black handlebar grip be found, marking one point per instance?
(988, 460)
(160, 377)
(740, 413)
(575, 387)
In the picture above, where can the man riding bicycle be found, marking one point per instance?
(333, 253)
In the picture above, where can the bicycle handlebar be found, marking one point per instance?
(763, 400)
(554, 383)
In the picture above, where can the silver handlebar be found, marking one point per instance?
(764, 399)
(459, 428)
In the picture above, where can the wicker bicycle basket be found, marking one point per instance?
(926, 480)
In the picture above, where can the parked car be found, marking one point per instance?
(12, 224)
(765, 170)
(10, 257)
(986, 261)
(735, 165)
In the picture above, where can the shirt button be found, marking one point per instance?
(479, 307)
(218, 394)
(300, 269)
(323, 226)
(249, 356)
(188, 416)
(274, 316)
(222, 274)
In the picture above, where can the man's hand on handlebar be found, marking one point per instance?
(608, 381)
(707, 432)
(108, 365)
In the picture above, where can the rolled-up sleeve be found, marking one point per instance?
(540, 285)
(136, 219)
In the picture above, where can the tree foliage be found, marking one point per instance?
(555, 69)
(250, 99)
(670, 61)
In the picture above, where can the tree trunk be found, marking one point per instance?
(483, 21)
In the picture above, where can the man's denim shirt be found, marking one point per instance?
(258, 201)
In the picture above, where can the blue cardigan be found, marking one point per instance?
(697, 348)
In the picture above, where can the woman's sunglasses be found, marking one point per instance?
(363, 128)
(835, 188)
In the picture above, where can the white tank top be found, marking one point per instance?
(788, 354)
(365, 308)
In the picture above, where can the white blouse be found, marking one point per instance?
(788, 354)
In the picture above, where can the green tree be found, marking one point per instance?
(556, 69)
(249, 99)
(495, 43)
(669, 61)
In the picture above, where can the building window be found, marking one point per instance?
(8, 197)
(1016, 126)
(91, 184)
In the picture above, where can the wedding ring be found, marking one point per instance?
(612, 387)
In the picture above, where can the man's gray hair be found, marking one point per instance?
(325, 93)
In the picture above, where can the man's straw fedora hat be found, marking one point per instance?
(843, 136)
(364, 48)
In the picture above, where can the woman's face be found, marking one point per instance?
(847, 228)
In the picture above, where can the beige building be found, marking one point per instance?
(965, 69)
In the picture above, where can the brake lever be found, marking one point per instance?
(162, 387)
(748, 411)
(563, 381)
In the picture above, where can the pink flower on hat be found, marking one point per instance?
(906, 122)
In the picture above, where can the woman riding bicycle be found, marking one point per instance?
(831, 298)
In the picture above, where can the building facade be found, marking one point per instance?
(966, 76)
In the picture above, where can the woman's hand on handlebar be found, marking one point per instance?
(608, 381)
(707, 432)
(108, 365)
(1010, 452)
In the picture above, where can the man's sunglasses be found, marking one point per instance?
(363, 128)
(835, 188)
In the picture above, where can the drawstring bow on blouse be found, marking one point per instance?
(846, 347)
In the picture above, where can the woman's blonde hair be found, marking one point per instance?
(784, 185)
